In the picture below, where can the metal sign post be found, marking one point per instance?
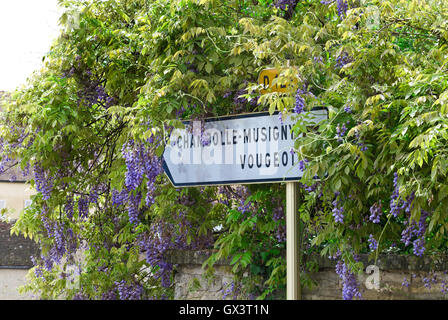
(266, 78)
(292, 243)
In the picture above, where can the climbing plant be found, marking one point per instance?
(91, 126)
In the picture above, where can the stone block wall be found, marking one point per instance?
(191, 283)
(427, 278)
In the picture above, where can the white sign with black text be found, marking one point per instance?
(248, 148)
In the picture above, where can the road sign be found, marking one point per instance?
(266, 78)
(241, 149)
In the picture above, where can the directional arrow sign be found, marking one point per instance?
(248, 148)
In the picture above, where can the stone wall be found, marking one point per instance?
(426, 278)
(190, 281)
(15, 253)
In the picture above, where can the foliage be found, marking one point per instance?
(91, 126)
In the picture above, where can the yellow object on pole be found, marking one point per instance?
(266, 78)
(292, 243)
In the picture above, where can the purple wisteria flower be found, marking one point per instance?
(373, 244)
(338, 212)
(302, 164)
(405, 283)
(350, 287)
(299, 106)
(375, 213)
(342, 7)
(340, 132)
(342, 60)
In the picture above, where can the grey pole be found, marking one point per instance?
(292, 243)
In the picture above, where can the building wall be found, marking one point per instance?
(10, 281)
(14, 194)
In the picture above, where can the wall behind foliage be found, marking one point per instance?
(426, 279)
